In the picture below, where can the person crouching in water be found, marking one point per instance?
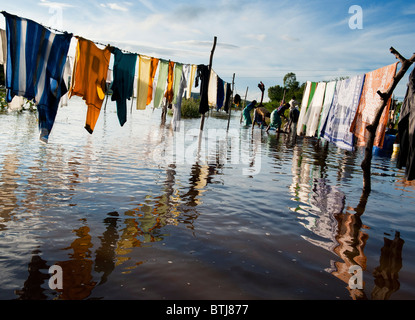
(275, 118)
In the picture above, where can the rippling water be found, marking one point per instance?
(140, 212)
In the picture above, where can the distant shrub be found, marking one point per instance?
(190, 108)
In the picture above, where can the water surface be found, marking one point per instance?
(142, 212)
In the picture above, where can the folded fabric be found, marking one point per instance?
(346, 98)
(35, 61)
(161, 82)
(370, 101)
(123, 81)
(89, 78)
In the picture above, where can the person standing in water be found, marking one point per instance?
(247, 113)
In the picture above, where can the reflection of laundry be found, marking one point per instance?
(326, 202)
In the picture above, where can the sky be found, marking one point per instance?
(256, 40)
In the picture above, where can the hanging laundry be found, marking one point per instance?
(190, 81)
(213, 88)
(177, 105)
(202, 76)
(161, 82)
(328, 99)
(89, 78)
(406, 131)
(370, 102)
(153, 69)
(307, 97)
(35, 61)
(66, 77)
(314, 109)
(144, 66)
(3, 50)
(346, 98)
(123, 81)
(177, 77)
(220, 97)
(169, 92)
(227, 97)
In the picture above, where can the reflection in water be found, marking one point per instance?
(322, 213)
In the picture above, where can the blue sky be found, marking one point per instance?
(257, 40)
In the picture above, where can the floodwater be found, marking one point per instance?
(141, 212)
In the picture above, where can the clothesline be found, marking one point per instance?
(37, 69)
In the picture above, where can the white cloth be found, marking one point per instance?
(303, 110)
(328, 99)
(213, 88)
(314, 109)
(177, 107)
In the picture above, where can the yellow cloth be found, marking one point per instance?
(191, 81)
(143, 81)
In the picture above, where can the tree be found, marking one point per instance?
(290, 81)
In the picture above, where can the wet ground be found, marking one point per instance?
(142, 212)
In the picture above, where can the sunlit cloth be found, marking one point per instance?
(314, 109)
(144, 66)
(169, 95)
(191, 80)
(328, 99)
(89, 78)
(406, 131)
(346, 98)
(123, 81)
(213, 88)
(177, 105)
(220, 97)
(153, 69)
(307, 97)
(370, 102)
(177, 77)
(161, 83)
(35, 61)
(3, 49)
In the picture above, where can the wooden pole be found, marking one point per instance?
(230, 107)
(385, 96)
(202, 121)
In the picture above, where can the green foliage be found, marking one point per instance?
(190, 108)
(3, 103)
(291, 88)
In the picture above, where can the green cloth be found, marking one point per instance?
(275, 119)
(161, 82)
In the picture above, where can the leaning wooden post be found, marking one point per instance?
(202, 121)
(230, 107)
(385, 96)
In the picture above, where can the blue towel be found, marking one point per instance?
(35, 61)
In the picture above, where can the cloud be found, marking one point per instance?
(52, 4)
(114, 6)
(259, 37)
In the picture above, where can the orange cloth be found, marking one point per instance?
(369, 104)
(153, 68)
(89, 78)
(169, 93)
